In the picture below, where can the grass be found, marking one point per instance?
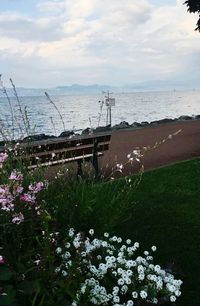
(167, 213)
(163, 210)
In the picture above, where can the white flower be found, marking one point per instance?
(136, 245)
(141, 276)
(91, 232)
(157, 268)
(118, 261)
(154, 248)
(71, 232)
(155, 301)
(119, 166)
(120, 282)
(143, 294)
(116, 299)
(64, 273)
(57, 270)
(128, 241)
(66, 255)
(172, 298)
(58, 250)
(134, 294)
(67, 245)
(116, 289)
(177, 293)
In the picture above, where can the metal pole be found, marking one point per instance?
(107, 116)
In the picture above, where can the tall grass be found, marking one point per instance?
(20, 122)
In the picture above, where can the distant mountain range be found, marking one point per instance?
(77, 89)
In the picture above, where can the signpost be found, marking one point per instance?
(110, 102)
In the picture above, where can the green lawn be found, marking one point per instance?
(167, 214)
(163, 210)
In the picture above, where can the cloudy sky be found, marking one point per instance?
(45, 43)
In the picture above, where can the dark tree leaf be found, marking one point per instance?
(194, 7)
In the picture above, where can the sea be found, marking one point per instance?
(81, 111)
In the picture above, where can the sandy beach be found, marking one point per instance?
(181, 147)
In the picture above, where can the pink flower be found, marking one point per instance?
(27, 197)
(1, 260)
(18, 218)
(35, 188)
(20, 189)
(16, 176)
(3, 189)
(3, 157)
(6, 199)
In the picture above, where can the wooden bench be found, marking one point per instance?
(55, 151)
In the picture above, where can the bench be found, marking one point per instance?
(55, 151)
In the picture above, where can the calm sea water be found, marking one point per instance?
(82, 111)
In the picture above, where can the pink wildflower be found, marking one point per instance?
(27, 197)
(35, 188)
(20, 189)
(18, 218)
(6, 199)
(119, 167)
(16, 176)
(37, 262)
(3, 189)
(3, 157)
(1, 260)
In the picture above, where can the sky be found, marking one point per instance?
(47, 43)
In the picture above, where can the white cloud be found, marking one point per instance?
(23, 28)
(115, 41)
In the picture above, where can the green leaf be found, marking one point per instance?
(9, 298)
(27, 287)
(5, 274)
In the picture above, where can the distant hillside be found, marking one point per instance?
(77, 89)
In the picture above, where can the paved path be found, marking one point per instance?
(184, 146)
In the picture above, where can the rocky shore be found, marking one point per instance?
(122, 125)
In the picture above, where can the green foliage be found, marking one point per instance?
(68, 201)
(167, 213)
(194, 7)
(86, 204)
(163, 209)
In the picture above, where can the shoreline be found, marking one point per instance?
(124, 125)
(184, 146)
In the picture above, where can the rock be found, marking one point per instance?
(136, 125)
(66, 134)
(144, 123)
(121, 125)
(37, 137)
(185, 118)
(100, 129)
(197, 117)
(166, 120)
(154, 122)
(87, 131)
